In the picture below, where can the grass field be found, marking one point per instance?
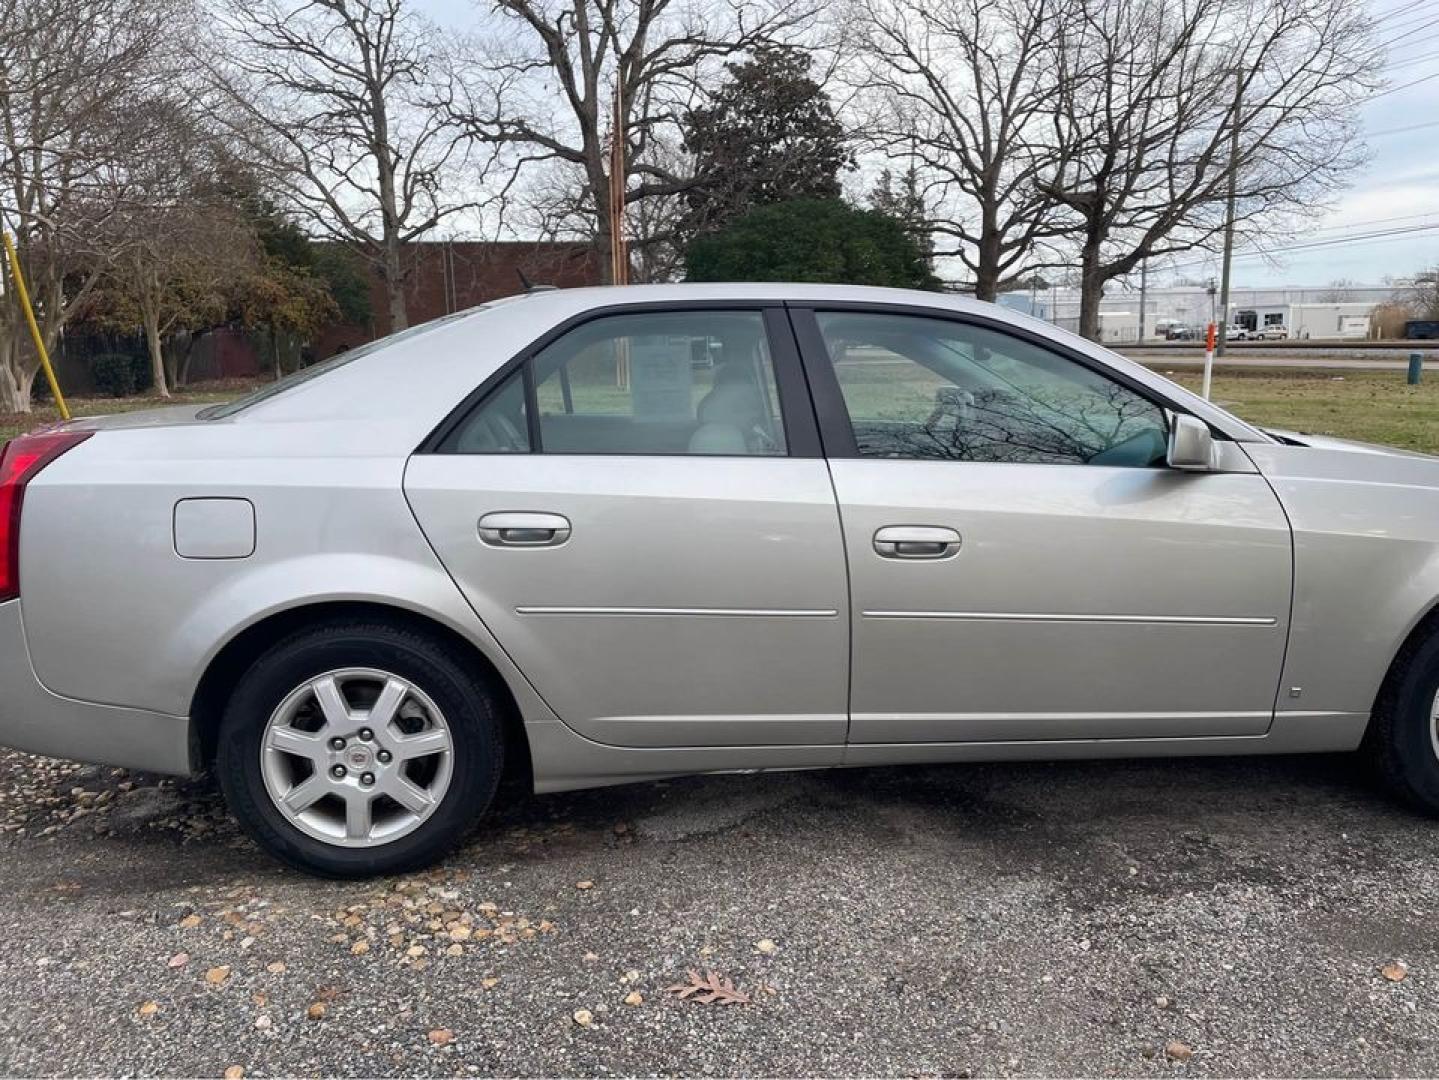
(1369, 405)
(1372, 406)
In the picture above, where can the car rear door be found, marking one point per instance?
(639, 511)
(1023, 565)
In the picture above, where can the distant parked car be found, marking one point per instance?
(1274, 333)
(1179, 332)
(1422, 330)
(1238, 333)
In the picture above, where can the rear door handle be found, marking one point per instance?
(514, 528)
(916, 542)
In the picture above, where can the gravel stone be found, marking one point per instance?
(929, 922)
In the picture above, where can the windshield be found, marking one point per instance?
(324, 367)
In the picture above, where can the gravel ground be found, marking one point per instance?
(1202, 917)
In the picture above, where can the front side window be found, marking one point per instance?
(917, 387)
(696, 382)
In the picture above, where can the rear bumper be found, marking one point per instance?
(39, 722)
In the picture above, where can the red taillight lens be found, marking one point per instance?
(20, 460)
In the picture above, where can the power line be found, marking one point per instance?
(1424, 58)
(1381, 236)
(1403, 86)
(1401, 130)
(1409, 32)
(1377, 221)
(1380, 16)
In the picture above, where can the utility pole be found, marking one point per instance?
(1143, 292)
(1229, 214)
(619, 255)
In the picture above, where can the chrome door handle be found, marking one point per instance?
(916, 542)
(515, 528)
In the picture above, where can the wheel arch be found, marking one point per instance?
(1425, 627)
(246, 646)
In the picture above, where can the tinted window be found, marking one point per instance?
(917, 387)
(500, 425)
(653, 383)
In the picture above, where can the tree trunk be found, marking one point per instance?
(986, 274)
(185, 358)
(12, 400)
(157, 356)
(14, 391)
(395, 287)
(1091, 291)
(986, 283)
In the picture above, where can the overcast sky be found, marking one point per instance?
(1397, 189)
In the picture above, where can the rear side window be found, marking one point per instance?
(675, 383)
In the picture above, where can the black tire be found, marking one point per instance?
(1400, 741)
(471, 710)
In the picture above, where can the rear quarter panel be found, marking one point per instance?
(112, 613)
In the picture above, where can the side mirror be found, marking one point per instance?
(1191, 446)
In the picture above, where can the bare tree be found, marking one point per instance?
(348, 103)
(71, 74)
(631, 66)
(179, 247)
(963, 90)
(1337, 291)
(1166, 100)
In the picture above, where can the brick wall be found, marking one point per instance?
(451, 276)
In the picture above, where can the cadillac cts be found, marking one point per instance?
(594, 536)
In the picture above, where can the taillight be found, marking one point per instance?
(21, 458)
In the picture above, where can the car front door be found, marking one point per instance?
(1023, 565)
(639, 511)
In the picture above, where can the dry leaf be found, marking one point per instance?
(148, 1008)
(179, 960)
(275, 967)
(1395, 971)
(216, 975)
(634, 997)
(316, 1011)
(489, 982)
(360, 948)
(766, 946)
(441, 1036)
(235, 1072)
(712, 989)
(584, 1017)
(189, 922)
(1178, 1051)
(584, 885)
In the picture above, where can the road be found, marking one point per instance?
(1204, 917)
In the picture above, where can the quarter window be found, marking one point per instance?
(918, 387)
(698, 382)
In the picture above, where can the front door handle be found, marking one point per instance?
(916, 542)
(514, 528)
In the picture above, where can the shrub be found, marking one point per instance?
(120, 374)
(824, 240)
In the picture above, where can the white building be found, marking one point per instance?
(1319, 311)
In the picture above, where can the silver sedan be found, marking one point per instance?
(594, 536)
